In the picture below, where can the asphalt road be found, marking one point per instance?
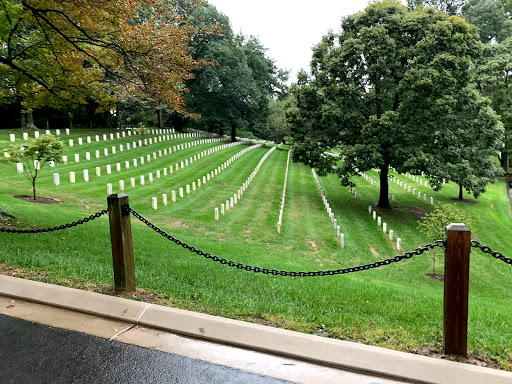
(37, 354)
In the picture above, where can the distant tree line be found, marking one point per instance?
(114, 63)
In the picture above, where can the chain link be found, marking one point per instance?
(57, 228)
(275, 272)
(486, 249)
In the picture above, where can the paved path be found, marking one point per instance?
(37, 354)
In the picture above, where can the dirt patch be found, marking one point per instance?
(374, 251)
(469, 201)
(481, 361)
(311, 242)
(178, 224)
(435, 276)
(39, 200)
(6, 220)
(247, 230)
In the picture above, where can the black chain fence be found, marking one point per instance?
(275, 272)
(487, 250)
(57, 228)
(407, 255)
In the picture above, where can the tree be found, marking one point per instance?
(234, 92)
(450, 7)
(494, 79)
(381, 91)
(61, 52)
(34, 155)
(434, 224)
(465, 152)
(490, 17)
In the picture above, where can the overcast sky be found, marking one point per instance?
(288, 28)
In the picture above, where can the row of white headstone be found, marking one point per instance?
(128, 133)
(281, 210)
(404, 185)
(334, 221)
(233, 200)
(134, 145)
(12, 136)
(72, 175)
(206, 178)
(184, 163)
(384, 226)
(412, 190)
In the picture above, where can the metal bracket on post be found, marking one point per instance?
(456, 290)
(121, 239)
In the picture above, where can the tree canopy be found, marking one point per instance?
(382, 91)
(57, 52)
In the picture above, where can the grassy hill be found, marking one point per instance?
(396, 306)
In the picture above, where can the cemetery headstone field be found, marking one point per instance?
(248, 203)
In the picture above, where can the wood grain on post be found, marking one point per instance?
(121, 239)
(456, 290)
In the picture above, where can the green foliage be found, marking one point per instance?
(434, 223)
(490, 17)
(235, 92)
(383, 96)
(34, 155)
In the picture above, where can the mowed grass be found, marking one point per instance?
(396, 306)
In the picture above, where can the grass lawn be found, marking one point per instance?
(396, 307)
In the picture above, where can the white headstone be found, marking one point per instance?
(342, 240)
(113, 150)
(132, 181)
(98, 171)
(154, 204)
(57, 132)
(80, 141)
(173, 196)
(36, 134)
(216, 214)
(109, 189)
(391, 235)
(379, 221)
(105, 151)
(71, 177)
(25, 136)
(384, 227)
(164, 199)
(77, 158)
(56, 179)
(19, 167)
(141, 179)
(150, 178)
(67, 131)
(118, 167)
(109, 169)
(398, 243)
(181, 192)
(87, 155)
(70, 142)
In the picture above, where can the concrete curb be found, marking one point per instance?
(336, 353)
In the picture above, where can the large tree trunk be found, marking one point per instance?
(460, 192)
(30, 119)
(384, 188)
(160, 118)
(233, 132)
(23, 119)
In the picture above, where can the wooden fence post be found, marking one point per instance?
(121, 238)
(456, 290)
